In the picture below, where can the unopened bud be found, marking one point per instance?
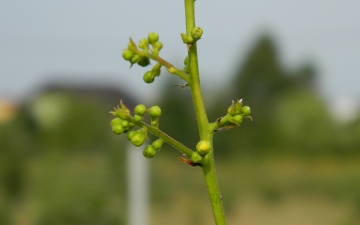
(203, 147)
(153, 37)
(148, 77)
(149, 152)
(196, 157)
(196, 33)
(246, 110)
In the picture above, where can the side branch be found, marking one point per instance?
(171, 141)
(171, 68)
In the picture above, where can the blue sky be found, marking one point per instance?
(81, 41)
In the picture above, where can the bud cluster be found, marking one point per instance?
(150, 150)
(196, 34)
(124, 123)
(141, 57)
(203, 147)
(235, 113)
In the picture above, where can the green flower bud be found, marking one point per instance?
(144, 44)
(130, 134)
(196, 33)
(155, 112)
(138, 138)
(237, 119)
(158, 143)
(149, 151)
(148, 77)
(121, 111)
(157, 45)
(137, 118)
(127, 54)
(196, 157)
(135, 59)
(143, 61)
(186, 60)
(118, 129)
(125, 124)
(115, 121)
(235, 109)
(155, 51)
(140, 109)
(246, 110)
(203, 147)
(155, 123)
(186, 39)
(153, 37)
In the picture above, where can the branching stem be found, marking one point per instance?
(166, 64)
(205, 133)
(171, 141)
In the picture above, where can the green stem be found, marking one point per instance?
(205, 133)
(166, 64)
(194, 81)
(171, 141)
(208, 168)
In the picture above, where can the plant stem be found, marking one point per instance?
(205, 133)
(171, 141)
(208, 168)
(163, 62)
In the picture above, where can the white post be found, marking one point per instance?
(138, 186)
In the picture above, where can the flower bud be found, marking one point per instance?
(196, 33)
(144, 44)
(203, 147)
(137, 118)
(155, 112)
(115, 121)
(153, 37)
(155, 51)
(196, 157)
(186, 39)
(138, 138)
(118, 129)
(237, 119)
(135, 59)
(125, 124)
(246, 110)
(149, 151)
(130, 134)
(155, 123)
(127, 54)
(158, 143)
(186, 61)
(143, 61)
(140, 109)
(157, 45)
(148, 77)
(235, 109)
(121, 111)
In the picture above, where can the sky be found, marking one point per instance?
(81, 41)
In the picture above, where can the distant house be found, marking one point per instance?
(110, 96)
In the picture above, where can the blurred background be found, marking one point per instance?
(295, 63)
